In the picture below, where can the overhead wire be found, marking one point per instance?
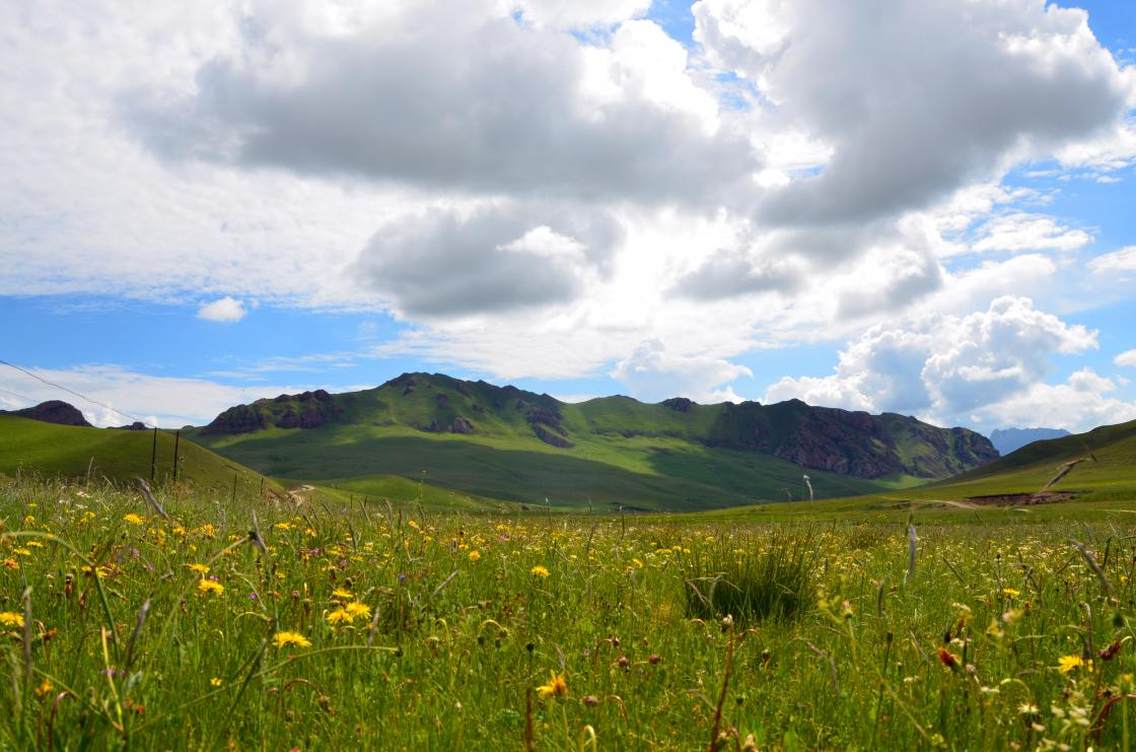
(71, 391)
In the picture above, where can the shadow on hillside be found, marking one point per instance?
(479, 470)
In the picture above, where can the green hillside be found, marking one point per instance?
(32, 446)
(1099, 482)
(480, 442)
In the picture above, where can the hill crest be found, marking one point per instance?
(839, 441)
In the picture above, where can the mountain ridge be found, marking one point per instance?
(843, 442)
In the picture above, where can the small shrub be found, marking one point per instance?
(771, 579)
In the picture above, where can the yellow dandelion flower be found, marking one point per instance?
(362, 610)
(339, 616)
(11, 619)
(284, 639)
(556, 686)
(198, 568)
(341, 593)
(474, 555)
(1067, 663)
(133, 519)
(11, 564)
(539, 571)
(1011, 592)
(210, 586)
(44, 688)
(216, 681)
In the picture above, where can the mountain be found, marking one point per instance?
(52, 411)
(505, 443)
(71, 451)
(1007, 440)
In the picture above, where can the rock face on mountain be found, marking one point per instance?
(838, 441)
(306, 410)
(52, 411)
(850, 443)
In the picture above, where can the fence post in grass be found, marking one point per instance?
(235, 475)
(154, 455)
(177, 446)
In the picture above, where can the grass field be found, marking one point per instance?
(31, 446)
(393, 628)
(648, 473)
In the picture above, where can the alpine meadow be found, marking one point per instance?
(646, 375)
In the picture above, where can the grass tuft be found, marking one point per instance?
(772, 578)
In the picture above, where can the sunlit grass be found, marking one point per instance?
(381, 626)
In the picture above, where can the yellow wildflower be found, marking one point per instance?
(198, 568)
(11, 619)
(1011, 592)
(44, 687)
(539, 571)
(284, 639)
(133, 519)
(339, 616)
(474, 555)
(341, 593)
(210, 586)
(556, 686)
(1067, 663)
(362, 610)
(216, 681)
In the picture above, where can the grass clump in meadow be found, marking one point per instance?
(768, 577)
(382, 627)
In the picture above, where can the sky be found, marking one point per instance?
(914, 206)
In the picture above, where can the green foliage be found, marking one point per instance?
(395, 634)
(758, 579)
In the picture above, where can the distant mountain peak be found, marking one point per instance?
(52, 411)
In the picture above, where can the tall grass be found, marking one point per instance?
(768, 577)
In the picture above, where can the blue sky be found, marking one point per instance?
(734, 201)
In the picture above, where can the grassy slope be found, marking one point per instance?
(30, 445)
(624, 452)
(642, 472)
(1104, 488)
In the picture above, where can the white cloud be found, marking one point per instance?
(1126, 358)
(947, 368)
(653, 375)
(1121, 261)
(224, 310)
(1021, 231)
(548, 200)
(1084, 401)
(149, 397)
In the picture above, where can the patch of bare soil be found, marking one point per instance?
(1025, 499)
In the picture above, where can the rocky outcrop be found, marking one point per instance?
(850, 443)
(679, 404)
(461, 425)
(305, 410)
(52, 411)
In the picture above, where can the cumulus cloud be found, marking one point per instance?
(732, 273)
(1082, 402)
(226, 310)
(444, 263)
(1126, 358)
(946, 367)
(458, 97)
(581, 13)
(653, 374)
(895, 92)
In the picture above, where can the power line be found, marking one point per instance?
(93, 401)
